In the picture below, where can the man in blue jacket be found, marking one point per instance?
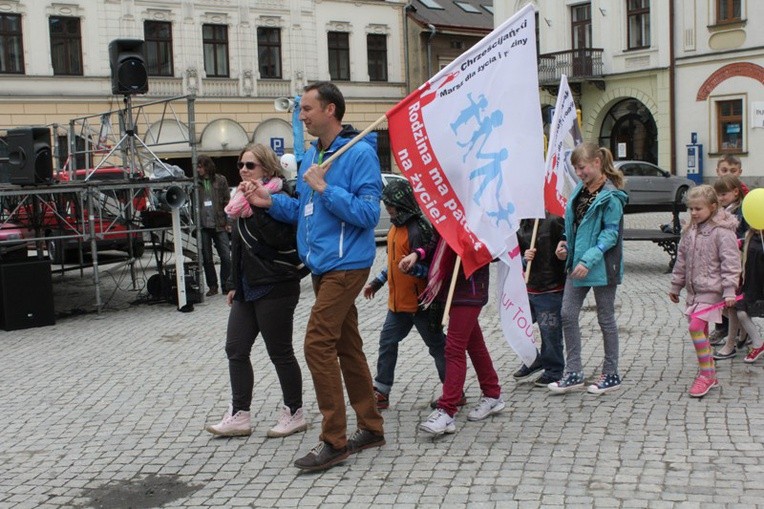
(336, 210)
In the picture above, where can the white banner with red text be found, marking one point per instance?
(514, 309)
(470, 141)
(564, 136)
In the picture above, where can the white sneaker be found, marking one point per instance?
(485, 407)
(237, 425)
(288, 423)
(438, 422)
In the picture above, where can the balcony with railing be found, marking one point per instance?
(579, 65)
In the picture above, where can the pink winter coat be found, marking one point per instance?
(708, 260)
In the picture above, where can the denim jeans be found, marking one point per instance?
(572, 300)
(223, 247)
(396, 328)
(546, 309)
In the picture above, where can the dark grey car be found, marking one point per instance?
(649, 186)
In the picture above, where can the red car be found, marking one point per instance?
(13, 246)
(65, 220)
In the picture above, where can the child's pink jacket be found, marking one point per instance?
(708, 260)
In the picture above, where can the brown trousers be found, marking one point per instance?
(334, 350)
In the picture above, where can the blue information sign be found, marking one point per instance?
(277, 144)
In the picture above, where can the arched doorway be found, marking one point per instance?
(630, 132)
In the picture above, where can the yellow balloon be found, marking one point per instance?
(753, 208)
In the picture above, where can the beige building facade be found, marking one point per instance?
(648, 74)
(235, 57)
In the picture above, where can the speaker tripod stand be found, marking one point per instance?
(129, 143)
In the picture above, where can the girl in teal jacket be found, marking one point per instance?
(593, 251)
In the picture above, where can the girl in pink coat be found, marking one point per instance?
(708, 267)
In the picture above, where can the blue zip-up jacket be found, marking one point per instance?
(597, 242)
(339, 234)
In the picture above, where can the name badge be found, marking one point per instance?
(309, 209)
(208, 203)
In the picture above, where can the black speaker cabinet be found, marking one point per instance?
(26, 295)
(193, 291)
(29, 157)
(128, 67)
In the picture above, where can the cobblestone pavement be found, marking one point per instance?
(107, 411)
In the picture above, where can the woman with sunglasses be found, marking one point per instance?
(265, 282)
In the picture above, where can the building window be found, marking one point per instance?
(728, 11)
(467, 7)
(339, 56)
(376, 49)
(215, 42)
(269, 52)
(158, 37)
(11, 44)
(581, 33)
(729, 124)
(65, 46)
(638, 24)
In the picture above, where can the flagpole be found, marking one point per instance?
(451, 290)
(354, 140)
(533, 245)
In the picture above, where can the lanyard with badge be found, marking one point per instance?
(207, 187)
(309, 205)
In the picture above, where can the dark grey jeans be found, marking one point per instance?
(273, 318)
(572, 300)
(223, 247)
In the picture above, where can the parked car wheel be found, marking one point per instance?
(681, 195)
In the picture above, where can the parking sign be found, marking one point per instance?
(277, 144)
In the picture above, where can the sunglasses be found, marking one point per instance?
(249, 164)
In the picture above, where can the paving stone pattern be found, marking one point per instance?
(108, 411)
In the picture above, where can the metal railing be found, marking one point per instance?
(578, 63)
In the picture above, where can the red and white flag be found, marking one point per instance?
(564, 136)
(470, 141)
(514, 309)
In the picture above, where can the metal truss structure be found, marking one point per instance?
(109, 189)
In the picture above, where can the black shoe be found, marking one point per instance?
(525, 372)
(717, 337)
(743, 339)
(545, 380)
(321, 457)
(721, 356)
(461, 402)
(364, 439)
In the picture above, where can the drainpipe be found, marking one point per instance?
(433, 31)
(406, 9)
(672, 89)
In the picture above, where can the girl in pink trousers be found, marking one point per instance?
(708, 267)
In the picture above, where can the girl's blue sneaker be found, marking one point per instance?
(569, 382)
(606, 383)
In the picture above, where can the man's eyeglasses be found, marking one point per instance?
(249, 164)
